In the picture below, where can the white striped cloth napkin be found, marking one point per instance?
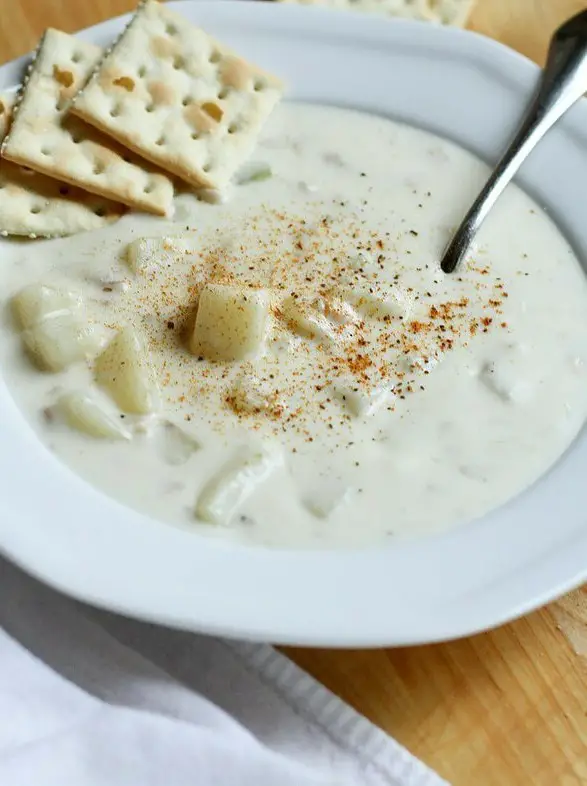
(92, 699)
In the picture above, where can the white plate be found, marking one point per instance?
(52, 523)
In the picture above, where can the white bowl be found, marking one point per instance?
(464, 87)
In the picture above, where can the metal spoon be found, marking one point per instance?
(563, 82)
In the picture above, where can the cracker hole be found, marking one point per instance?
(178, 63)
(233, 128)
(214, 56)
(126, 82)
(148, 189)
(115, 110)
(161, 141)
(187, 101)
(63, 76)
(258, 85)
(223, 92)
(150, 108)
(64, 190)
(195, 135)
(100, 212)
(35, 210)
(213, 111)
(206, 167)
(99, 168)
(142, 71)
(45, 151)
(76, 139)
(76, 57)
(170, 29)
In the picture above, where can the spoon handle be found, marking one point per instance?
(563, 82)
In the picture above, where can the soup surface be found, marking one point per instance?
(354, 392)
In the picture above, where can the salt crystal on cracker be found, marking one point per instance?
(43, 138)
(179, 98)
(34, 205)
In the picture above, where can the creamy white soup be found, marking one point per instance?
(289, 366)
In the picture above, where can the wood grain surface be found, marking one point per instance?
(504, 708)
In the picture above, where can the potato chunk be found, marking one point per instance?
(251, 395)
(226, 491)
(306, 316)
(507, 378)
(363, 399)
(174, 444)
(54, 335)
(125, 371)
(60, 341)
(328, 497)
(149, 253)
(398, 303)
(38, 302)
(230, 322)
(85, 413)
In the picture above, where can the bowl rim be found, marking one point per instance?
(437, 588)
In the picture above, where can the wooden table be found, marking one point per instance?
(500, 709)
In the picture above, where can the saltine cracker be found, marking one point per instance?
(177, 97)
(33, 205)
(448, 12)
(44, 139)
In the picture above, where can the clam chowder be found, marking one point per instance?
(289, 366)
